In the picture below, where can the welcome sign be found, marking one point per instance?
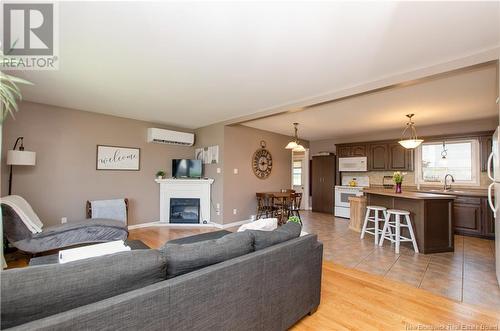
(118, 158)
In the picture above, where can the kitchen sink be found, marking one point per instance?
(443, 191)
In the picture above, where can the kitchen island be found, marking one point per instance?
(431, 216)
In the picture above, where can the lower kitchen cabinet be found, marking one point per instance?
(473, 217)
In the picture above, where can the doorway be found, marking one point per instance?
(300, 176)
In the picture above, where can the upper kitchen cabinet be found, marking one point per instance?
(377, 158)
(351, 150)
(400, 158)
(486, 145)
(390, 156)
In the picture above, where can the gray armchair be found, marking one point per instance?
(59, 236)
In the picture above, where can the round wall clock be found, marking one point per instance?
(262, 162)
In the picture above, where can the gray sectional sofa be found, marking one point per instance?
(251, 280)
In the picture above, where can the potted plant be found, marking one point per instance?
(160, 174)
(294, 219)
(398, 177)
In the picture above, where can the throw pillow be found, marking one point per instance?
(184, 258)
(263, 239)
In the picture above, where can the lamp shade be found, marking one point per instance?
(410, 143)
(299, 148)
(15, 157)
(291, 145)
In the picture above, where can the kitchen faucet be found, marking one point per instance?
(446, 187)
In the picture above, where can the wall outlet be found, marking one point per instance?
(64, 220)
(235, 211)
(235, 171)
(218, 170)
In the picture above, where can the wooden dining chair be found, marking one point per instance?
(265, 205)
(295, 208)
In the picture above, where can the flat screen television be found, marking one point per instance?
(184, 168)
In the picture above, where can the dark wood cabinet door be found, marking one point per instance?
(398, 157)
(317, 174)
(467, 216)
(344, 151)
(485, 148)
(488, 226)
(358, 150)
(378, 157)
(323, 183)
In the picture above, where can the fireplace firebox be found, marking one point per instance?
(184, 210)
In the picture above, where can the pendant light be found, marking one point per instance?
(295, 145)
(412, 141)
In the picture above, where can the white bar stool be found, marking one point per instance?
(397, 225)
(375, 219)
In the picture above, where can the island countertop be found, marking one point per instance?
(408, 194)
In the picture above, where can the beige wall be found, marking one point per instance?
(210, 136)
(328, 145)
(240, 142)
(65, 177)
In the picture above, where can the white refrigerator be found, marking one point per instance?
(494, 195)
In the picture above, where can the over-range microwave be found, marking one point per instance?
(353, 164)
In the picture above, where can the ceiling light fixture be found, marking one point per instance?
(412, 140)
(295, 145)
(444, 152)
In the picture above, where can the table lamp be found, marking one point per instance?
(19, 157)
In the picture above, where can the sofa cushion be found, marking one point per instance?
(35, 292)
(184, 258)
(263, 239)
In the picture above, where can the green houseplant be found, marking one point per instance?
(9, 91)
(160, 174)
(294, 219)
(398, 177)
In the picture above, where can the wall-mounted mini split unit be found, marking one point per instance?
(161, 136)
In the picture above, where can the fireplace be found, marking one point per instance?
(184, 210)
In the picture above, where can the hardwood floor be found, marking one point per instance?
(355, 300)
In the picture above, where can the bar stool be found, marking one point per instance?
(375, 219)
(397, 225)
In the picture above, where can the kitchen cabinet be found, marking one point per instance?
(378, 158)
(488, 228)
(351, 150)
(473, 217)
(467, 215)
(400, 158)
(485, 149)
(323, 183)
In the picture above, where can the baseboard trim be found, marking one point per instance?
(230, 225)
(208, 225)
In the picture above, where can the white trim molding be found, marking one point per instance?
(179, 225)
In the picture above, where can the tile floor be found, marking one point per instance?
(467, 275)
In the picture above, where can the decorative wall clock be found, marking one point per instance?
(262, 162)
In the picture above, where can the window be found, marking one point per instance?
(297, 173)
(461, 161)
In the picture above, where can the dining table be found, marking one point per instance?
(281, 201)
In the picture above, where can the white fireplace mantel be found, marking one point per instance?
(185, 188)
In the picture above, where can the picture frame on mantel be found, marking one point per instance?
(118, 158)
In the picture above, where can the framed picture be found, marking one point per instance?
(209, 155)
(118, 158)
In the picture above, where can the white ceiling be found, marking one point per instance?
(191, 64)
(465, 96)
